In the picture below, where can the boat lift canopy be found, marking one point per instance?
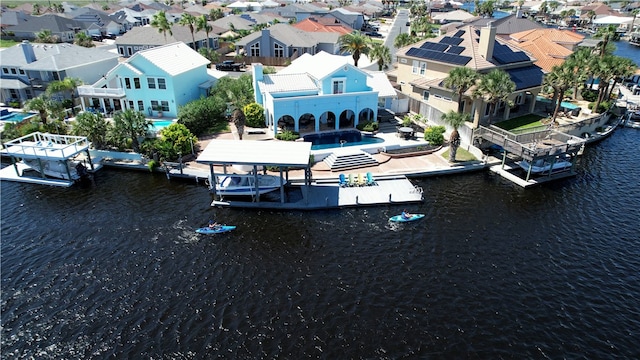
(283, 154)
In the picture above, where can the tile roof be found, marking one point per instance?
(313, 25)
(289, 35)
(546, 45)
(173, 58)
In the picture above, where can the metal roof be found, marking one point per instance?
(247, 152)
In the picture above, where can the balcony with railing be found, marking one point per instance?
(90, 91)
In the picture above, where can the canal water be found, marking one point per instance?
(113, 269)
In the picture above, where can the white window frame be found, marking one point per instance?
(339, 82)
(415, 67)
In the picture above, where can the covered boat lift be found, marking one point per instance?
(531, 146)
(43, 148)
(283, 154)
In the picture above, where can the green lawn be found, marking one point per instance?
(7, 43)
(461, 155)
(521, 122)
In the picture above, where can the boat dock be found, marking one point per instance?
(17, 171)
(328, 194)
(506, 172)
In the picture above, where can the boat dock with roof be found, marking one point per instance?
(52, 158)
(305, 193)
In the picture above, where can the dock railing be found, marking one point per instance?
(46, 145)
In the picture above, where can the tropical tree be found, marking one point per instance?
(47, 37)
(622, 68)
(604, 70)
(36, 9)
(356, 44)
(190, 21)
(607, 34)
(84, 40)
(635, 13)
(579, 61)
(238, 119)
(69, 85)
(380, 54)
(494, 87)
(215, 14)
(130, 124)
(211, 55)
(175, 140)
(202, 24)
(161, 23)
(42, 104)
(560, 79)
(94, 126)
(403, 40)
(461, 79)
(455, 120)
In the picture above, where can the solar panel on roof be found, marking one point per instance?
(505, 55)
(429, 54)
(450, 40)
(527, 77)
(455, 49)
(459, 33)
(434, 46)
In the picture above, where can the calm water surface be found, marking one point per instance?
(115, 270)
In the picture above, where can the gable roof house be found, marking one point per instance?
(27, 69)
(97, 22)
(314, 25)
(156, 81)
(60, 26)
(297, 12)
(146, 37)
(507, 25)
(280, 43)
(319, 92)
(233, 22)
(350, 18)
(422, 68)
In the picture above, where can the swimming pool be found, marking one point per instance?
(161, 124)
(334, 139)
(16, 116)
(564, 104)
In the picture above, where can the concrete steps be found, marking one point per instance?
(352, 160)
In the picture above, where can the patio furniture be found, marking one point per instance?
(342, 180)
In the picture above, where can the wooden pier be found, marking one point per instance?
(506, 172)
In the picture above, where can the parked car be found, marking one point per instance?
(96, 37)
(229, 65)
(373, 34)
(111, 36)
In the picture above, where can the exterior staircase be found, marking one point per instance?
(339, 161)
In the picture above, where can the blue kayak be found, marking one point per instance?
(219, 230)
(400, 218)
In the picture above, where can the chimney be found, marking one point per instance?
(27, 49)
(487, 40)
(258, 75)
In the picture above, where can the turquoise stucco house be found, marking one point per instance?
(320, 92)
(155, 81)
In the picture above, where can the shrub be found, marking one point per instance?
(406, 120)
(14, 104)
(202, 114)
(152, 165)
(288, 135)
(589, 95)
(254, 115)
(435, 135)
(604, 106)
(370, 126)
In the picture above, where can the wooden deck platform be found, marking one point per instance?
(9, 174)
(507, 174)
(328, 194)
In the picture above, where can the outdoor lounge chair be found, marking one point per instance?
(352, 180)
(342, 180)
(370, 180)
(361, 181)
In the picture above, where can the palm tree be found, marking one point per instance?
(356, 44)
(622, 68)
(455, 120)
(68, 84)
(161, 23)
(211, 55)
(94, 126)
(131, 124)
(46, 36)
(203, 24)
(607, 33)
(215, 14)
(403, 40)
(494, 87)
(635, 13)
(83, 40)
(460, 80)
(560, 79)
(36, 9)
(380, 54)
(604, 70)
(190, 21)
(238, 119)
(579, 60)
(41, 104)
